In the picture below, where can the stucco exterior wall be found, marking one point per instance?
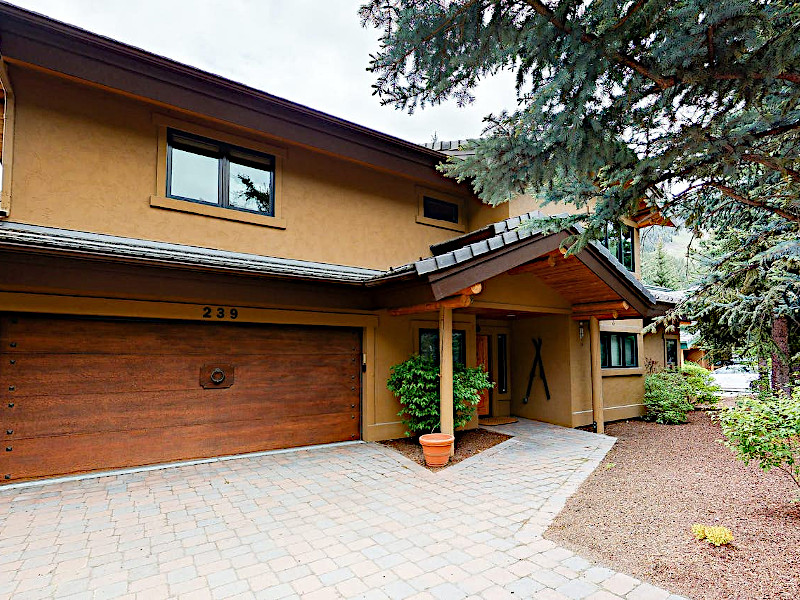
(86, 159)
(554, 332)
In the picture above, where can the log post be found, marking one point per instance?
(597, 375)
(446, 370)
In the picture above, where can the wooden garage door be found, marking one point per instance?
(84, 394)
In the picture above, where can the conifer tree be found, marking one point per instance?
(689, 104)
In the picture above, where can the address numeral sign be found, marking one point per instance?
(220, 312)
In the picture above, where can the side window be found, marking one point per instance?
(619, 241)
(671, 347)
(440, 210)
(502, 363)
(202, 170)
(618, 350)
(429, 346)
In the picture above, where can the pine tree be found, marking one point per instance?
(693, 105)
(663, 272)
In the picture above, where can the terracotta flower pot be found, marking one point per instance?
(436, 448)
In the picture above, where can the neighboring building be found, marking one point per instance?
(195, 268)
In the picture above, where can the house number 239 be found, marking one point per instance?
(218, 312)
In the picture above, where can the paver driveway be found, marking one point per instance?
(354, 521)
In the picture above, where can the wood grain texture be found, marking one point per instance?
(86, 394)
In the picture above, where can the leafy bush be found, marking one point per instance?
(666, 396)
(704, 390)
(718, 536)
(766, 428)
(415, 382)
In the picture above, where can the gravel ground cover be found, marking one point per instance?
(635, 513)
(468, 443)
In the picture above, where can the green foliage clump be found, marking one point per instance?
(703, 389)
(666, 396)
(415, 382)
(766, 428)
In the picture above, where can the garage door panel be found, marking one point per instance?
(53, 415)
(94, 394)
(76, 336)
(107, 450)
(91, 373)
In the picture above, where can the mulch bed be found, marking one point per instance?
(635, 513)
(468, 443)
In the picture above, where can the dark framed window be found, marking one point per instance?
(210, 172)
(618, 350)
(502, 363)
(671, 350)
(429, 346)
(440, 210)
(619, 241)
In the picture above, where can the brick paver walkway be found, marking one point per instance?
(356, 521)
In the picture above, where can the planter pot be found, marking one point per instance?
(436, 448)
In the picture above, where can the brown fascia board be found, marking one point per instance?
(32, 39)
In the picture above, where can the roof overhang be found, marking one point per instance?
(31, 39)
(590, 277)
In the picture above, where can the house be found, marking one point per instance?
(194, 268)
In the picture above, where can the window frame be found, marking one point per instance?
(423, 192)
(458, 361)
(619, 231)
(223, 152)
(605, 349)
(676, 342)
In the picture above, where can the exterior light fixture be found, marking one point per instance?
(581, 326)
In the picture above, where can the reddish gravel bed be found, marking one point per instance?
(635, 513)
(468, 443)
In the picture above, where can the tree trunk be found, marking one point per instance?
(780, 358)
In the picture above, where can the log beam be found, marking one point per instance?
(449, 303)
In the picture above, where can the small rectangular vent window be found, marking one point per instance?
(440, 210)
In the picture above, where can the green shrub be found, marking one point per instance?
(766, 428)
(703, 389)
(415, 382)
(666, 396)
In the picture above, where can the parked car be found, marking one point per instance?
(735, 378)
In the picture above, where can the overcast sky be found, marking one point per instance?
(314, 52)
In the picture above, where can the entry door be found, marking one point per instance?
(483, 354)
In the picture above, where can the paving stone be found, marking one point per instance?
(356, 521)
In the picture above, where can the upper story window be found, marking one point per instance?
(210, 172)
(440, 210)
(619, 241)
(618, 350)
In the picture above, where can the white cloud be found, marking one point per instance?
(309, 51)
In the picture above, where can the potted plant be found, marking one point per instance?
(415, 382)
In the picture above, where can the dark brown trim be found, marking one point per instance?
(589, 257)
(31, 39)
(448, 282)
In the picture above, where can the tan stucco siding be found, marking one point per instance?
(86, 159)
(554, 332)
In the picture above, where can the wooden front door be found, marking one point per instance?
(86, 394)
(482, 347)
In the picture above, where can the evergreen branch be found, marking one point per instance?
(771, 164)
(743, 199)
(662, 82)
(633, 9)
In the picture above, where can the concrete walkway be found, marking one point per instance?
(356, 521)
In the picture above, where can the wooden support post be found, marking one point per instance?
(446, 370)
(597, 375)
